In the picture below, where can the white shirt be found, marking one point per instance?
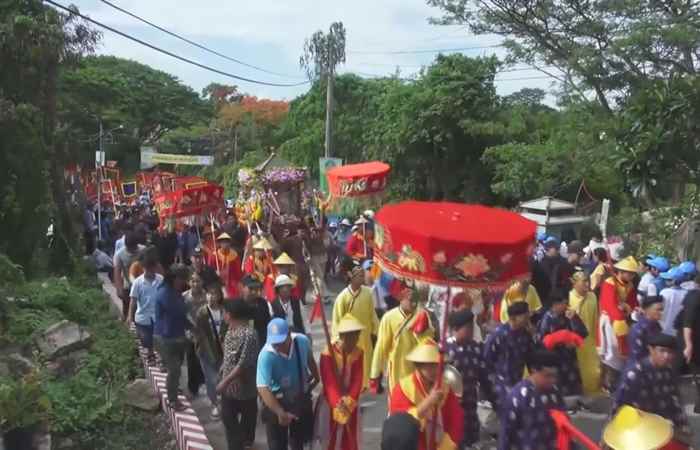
(216, 316)
(690, 285)
(673, 304)
(643, 287)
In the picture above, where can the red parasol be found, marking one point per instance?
(454, 244)
(356, 180)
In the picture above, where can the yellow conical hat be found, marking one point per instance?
(284, 260)
(425, 353)
(628, 264)
(633, 429)
(223, 236)
(348, 324)
(262, 244)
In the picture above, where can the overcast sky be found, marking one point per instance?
(270, 34)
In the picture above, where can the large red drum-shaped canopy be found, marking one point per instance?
(455, 244)
(356, 180)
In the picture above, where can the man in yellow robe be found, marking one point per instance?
(585, 304)
(400, 331)
(520, 291)
(356, 299)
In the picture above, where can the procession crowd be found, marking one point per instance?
(227, 304)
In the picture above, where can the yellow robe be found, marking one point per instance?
(588, 359)
(513, 295)
(395, 340)
(361, 306)
(597, 276)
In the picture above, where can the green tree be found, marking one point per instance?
(147, 102)
(35, 42)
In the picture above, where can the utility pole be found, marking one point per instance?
(99, 186)
(329, 103)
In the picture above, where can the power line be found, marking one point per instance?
(200, 46)
(413, 52)
(413, 66)
(165, 52)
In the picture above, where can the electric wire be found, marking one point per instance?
(172, 55)
(200, 46)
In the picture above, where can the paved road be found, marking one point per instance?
(374, 408)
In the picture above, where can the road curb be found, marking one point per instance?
(188, 430)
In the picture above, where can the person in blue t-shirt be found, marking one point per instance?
(170, 323)
(286, 375)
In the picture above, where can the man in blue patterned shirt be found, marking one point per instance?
(525, 420)
(466, 355)
(507, 350)
(652, 386)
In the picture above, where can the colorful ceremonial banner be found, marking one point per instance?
(324, 165)
(129, 189)
(190, 202)
(150, 158)
(356, 180)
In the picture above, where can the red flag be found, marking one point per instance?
(317, 311)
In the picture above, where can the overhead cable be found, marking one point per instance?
(200, 46)
(166, 52)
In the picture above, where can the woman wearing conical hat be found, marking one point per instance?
(228, 265)
(618, 298)
(434, 405)
(338, 413)
(258, 263)
(283, 265)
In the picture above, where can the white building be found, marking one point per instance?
(553, 216)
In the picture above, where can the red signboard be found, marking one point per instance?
(190, 202)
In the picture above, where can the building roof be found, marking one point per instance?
(541, 219)
(547, 204)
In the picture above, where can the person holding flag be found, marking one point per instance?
(399, 333)
(356, 299)
(227, 264)
(338, 418)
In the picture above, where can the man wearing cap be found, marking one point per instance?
(285, 307)
(553, 265)
(356, 299)
(338, 426)
(618, 299)
(690, 271)
(673, 296)
(286, 375)
(260, 308)
(655, 265)
(284, 265)
(428, 399)
(647, 325)
(466, 355)
(227, 264)
(259, 263)
(399, 332)
(507, 350)
(344, 232)
(525, 420)
(359, 246)
(652, 386)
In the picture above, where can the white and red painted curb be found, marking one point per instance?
(189, 433)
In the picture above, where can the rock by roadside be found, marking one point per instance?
(139, 394)
(62, 338)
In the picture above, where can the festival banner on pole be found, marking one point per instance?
(190, 202)
(150, 158)
(324, 165)
(129, 189)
